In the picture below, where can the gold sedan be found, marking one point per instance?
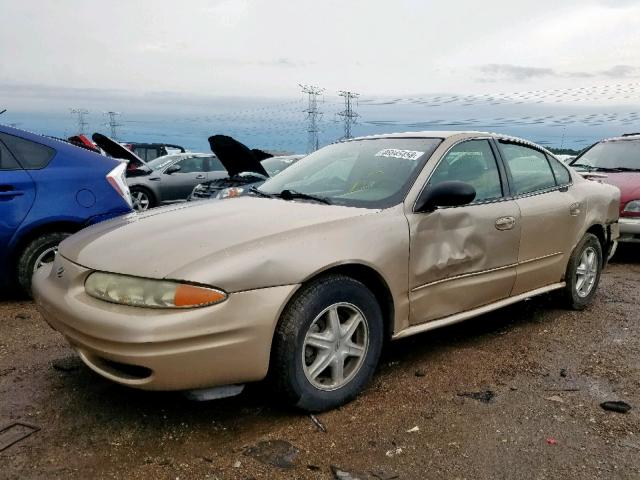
(302, 280)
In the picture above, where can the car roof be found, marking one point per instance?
(622, 138)
(452, 133)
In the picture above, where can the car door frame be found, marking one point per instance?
(505, 273)
(167, 180)
(536, 271)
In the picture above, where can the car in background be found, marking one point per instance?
(235, 158)
(164, 180)
(303, 281)
(50, 189)
(565, 158)
(151, 151)
(617, 161)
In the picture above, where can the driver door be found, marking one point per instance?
(464, 257)
(179, 185)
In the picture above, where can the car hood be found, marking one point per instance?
(627, 182)
(116, 150)
(237, 157)
(170, 242)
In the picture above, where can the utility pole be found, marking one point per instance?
(80, 114)
(348, 115)
(113, 124)
(313, 115)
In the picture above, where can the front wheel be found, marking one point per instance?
(327, 344)
(583, 272)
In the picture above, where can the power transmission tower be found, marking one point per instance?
(80, 114)
(113, 124)
(313, 115)
(348, 115)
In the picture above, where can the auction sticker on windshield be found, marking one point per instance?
(404, 154)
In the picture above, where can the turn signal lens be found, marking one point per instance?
(192, 296)
(145, 292)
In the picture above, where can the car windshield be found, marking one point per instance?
(161, 162)
(619, 154)
(370, 173)
(275, 165)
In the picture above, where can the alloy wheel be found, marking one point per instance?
(45, 258)
(586, 272)
(140, 201)
(335, 346)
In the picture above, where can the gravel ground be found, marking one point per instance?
(535, 374)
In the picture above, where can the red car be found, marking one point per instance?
(617, 161)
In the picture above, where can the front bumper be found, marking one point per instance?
(629, 230)
(156, 349)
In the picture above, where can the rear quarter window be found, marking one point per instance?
(7, 162)
(30, 155)
(560, 171)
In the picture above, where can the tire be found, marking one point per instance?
(304, 375)
(36, 252)
(142, 199)
(577, 295)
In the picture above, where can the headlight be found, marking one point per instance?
(632, 206)
(230, 192)
(144, 292)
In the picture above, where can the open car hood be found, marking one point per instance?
(236, 157)
(115, 150)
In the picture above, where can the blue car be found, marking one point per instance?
(50, 189)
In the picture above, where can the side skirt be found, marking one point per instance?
(461, 317)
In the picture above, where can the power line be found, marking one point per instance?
(80, 120)
(313, 114)
(113, 124)
(348, 115)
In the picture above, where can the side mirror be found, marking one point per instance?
(445, 194)
(173, 169)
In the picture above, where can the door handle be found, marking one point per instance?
(575, 209)
(505, 223)
(200, 177)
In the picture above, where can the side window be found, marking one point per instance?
(7, 162)
(472, 162)
(215, 165)
(192, 165)
(560, 171)
(529, 168)
(31, 155)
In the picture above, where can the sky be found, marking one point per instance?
(177, 70)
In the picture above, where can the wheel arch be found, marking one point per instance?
(373, 280)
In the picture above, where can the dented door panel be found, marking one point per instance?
(550, 224)
(462, 258)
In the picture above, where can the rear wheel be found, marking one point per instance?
(327, 344)
(142, 199)
(583, 272)
(37, 254)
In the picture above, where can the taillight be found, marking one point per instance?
(117, 180)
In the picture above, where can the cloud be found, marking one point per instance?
(503, 71)
(621, 71)
(518, 73)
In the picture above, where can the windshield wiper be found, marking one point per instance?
(625, 169)
(292, 194)
(260, 193)
(592, 168)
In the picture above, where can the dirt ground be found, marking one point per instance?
(538, 374)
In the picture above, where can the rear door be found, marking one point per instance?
(551, 214)
(179, 185)
(464, 257)
(17, 194)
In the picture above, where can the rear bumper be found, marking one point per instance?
(223, 344)
(629, 230)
